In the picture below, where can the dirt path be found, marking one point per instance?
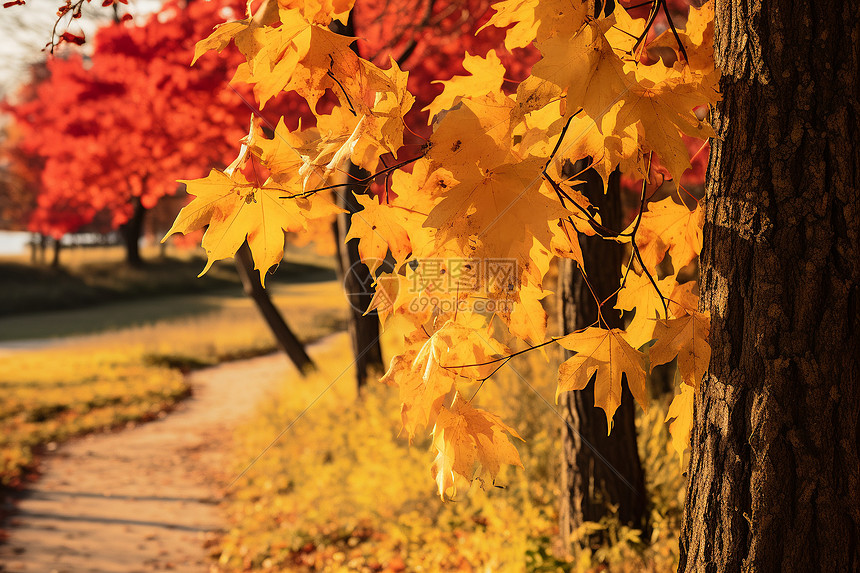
(143, 499)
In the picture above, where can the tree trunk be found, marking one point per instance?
(775, 472)
(43, 247)
(131, 232)
(285, 338)
(34, 248)
(355, 276)
(358, 285)
(55, 259)
(597, 470)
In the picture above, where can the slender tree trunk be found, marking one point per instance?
(285, 338)
(55, 258)
(597, 470)
(43, 247)
(358, 285)
(34, 248)
(775, 466)
(131, 232)
(355, 276)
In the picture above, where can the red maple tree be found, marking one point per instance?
(116, 131)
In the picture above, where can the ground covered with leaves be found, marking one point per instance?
(342, 489)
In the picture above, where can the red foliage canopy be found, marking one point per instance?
(135, 118)
(429, 38)
(131, 120)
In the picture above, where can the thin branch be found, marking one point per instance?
(638, 216)
(636, 252)
(346, 95)
(367, 180)
(674, 31)
(505, 358)
(74, 10)
(604, 232)
(652, 16)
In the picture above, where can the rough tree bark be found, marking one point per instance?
(775, 470)
(597, 470)
(283, 335)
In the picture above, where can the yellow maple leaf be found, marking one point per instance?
(361, 133)
(584, 66)
(697, 37)
(272, 46)
(639, 295)
(235, 211)
(422, 382)
(662, 100)
(605, 150)
(687, 338)
(565, 243)
(378, 228)
(537, 20)
(498, 213)
(486, 75)
(238, 31)
(320, 12)
(681, 414)
(669, 227)
(390, 293)
(286, 154)
(464, 436)
(527, 320)
(477, 131)
(683, 300)
(606, 353)
(327, 63)
(624, 33)
(470, 346)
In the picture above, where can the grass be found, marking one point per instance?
(135, 373)
(342, 491)
(52, 396)
(95, 276)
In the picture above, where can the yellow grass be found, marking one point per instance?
(98, 382)
(341, 490)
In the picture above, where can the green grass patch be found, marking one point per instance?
(100, 276)
(115, 297)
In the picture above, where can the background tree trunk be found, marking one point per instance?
(774, 472)
(597, 469)
(358, 285)
(34, 248)
(354, 275)
(55, 257)
(43, 248)
(285, 338)
(131, 232)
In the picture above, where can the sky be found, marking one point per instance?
(25, 30)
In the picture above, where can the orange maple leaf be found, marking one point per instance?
(606, 353)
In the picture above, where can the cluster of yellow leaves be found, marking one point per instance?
(289, 48)
(473, 228)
